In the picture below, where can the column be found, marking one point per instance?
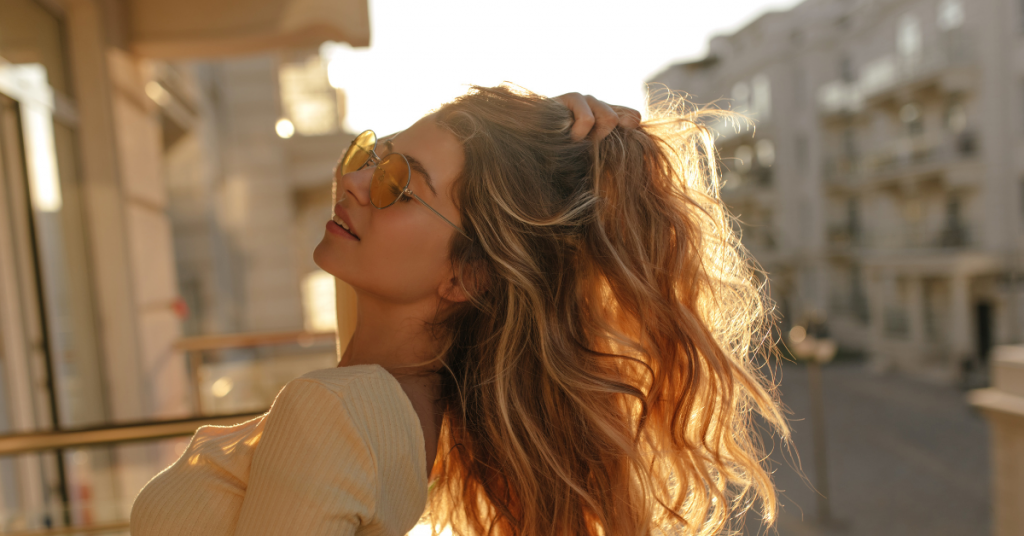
(959, 317)
(874, 285)
(915, 318)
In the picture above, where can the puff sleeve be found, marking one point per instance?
(313, 472)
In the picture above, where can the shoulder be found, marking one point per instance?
(377, 405)
(316, 462)
(372, 405)
(363, 393)
(363, 389)
(341, 377)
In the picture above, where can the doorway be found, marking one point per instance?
(983, 329)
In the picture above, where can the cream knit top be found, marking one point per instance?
(340, 452)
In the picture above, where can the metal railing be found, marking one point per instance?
(94, 528)
(887, 74)
(11, 444)
(905, 156)
(194, 348)
(149, 430)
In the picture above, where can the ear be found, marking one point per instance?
(473, 279)
(451, 290)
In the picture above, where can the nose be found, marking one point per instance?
(355, 184)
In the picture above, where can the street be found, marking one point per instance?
(905, 458)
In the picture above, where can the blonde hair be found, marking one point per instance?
(602, 377)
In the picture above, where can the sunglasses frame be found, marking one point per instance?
(374, 159)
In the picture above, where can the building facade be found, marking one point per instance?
(247, 200)
(250, 147)
(882, 187)
(90, 306)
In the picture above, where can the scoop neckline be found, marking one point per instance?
(409, 409)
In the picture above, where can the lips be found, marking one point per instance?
(340, 226)
(341, 218)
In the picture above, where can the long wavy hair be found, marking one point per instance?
(602, 377)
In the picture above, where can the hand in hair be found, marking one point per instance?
(597, 118)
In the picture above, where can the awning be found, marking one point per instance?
(208, 28)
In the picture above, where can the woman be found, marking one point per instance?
(560, 333)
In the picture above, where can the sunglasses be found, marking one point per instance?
(392, 177)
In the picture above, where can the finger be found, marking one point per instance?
(605, 118)
(628, 117)
(583, 117)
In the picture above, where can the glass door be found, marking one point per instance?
(28, 480)
(51, 371)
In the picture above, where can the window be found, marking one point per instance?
(318, 301)
(956, 117)
(762, 96)
(858, 296)
(799, 91)
(910, 115)
(951, 14)
(53, 365)
(1021, 196)
(849, 144)
(741, 96)
(801, 152)
(853, 217)
(309, 103)
(953, 212)
(744, 158)
(908, 38)
(765, 152)
(955, 232)
(1022, 90)
(846, 69)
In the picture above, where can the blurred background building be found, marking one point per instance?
(145, 199)
(881, 188)
(165, 172)
(883, 192)
(246, 201)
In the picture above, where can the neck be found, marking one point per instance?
(392, 335)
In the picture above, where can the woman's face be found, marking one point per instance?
(401, 253)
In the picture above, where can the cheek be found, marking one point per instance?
(405, 261)
(416, 259)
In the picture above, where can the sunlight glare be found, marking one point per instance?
(424, 530)
(423, 54)
(284, 128)
(222, 386)
(797, 334)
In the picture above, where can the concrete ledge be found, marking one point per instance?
(1008, 369)
(1003, 406)
(993, 399)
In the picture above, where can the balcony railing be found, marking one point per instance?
(895, 322)
(907, 153)
(889, 72)
(906, 237)
(905, 156)
(202, 354)
(843, 235)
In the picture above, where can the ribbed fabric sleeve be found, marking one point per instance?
(339, 453)
(304, 437)
(384, 422)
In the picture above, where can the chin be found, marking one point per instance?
(325, 261)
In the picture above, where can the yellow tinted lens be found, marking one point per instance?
(359, 152)
(389, 180)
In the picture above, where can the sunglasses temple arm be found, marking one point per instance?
(457, 228)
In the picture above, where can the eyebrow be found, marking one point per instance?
(416, 165)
